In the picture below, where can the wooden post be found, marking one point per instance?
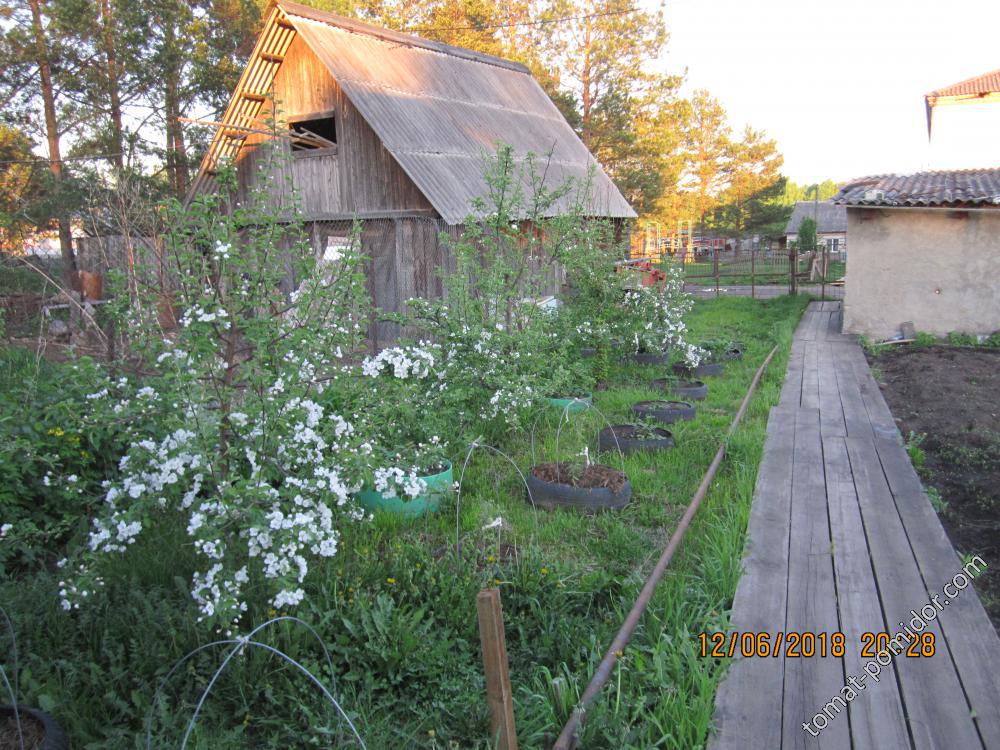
(793, 267)
(825, 261)
(715, 267)
(498, 693)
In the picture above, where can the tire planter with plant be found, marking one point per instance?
(633, 438)
(439, 484)
(591, 489)
(651, 358)
(705, 369)
(40, 731)
(688, 390)
(734, 351)
(571, 404)
(591, 351)
(665, 412)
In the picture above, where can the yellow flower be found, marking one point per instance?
(57, 431)
(491, 558)
(391, 581)
(496, 581)
(545, 571)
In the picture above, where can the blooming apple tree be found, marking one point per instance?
(259, 472)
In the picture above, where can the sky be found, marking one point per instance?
(839, 85)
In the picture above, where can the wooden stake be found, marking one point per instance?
(498, 693)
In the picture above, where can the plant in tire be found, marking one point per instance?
(395, 399)
(258, 471)
(495, 344)
(657, 317)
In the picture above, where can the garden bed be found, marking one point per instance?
(946, 401)
(397, 603)
(590, 477)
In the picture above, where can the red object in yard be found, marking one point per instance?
(649, 275)
(91, 285)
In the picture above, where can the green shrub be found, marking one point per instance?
(54, 454)
(914, 443)
(956, 338)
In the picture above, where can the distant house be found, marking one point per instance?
(831, 223)
(391, 129)
(924, 248)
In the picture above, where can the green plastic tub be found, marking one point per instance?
(575, 404)
(438, 485)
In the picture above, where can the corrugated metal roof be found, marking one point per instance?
(829, 217)
(956, 188)
(440, 110)
(987, 83)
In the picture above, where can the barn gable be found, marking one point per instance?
(434, 109)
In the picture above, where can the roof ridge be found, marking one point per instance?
(944, 187)
(355, 26)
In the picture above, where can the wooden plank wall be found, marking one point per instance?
(100, 254)
(361, 177)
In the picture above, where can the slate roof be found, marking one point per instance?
(438, 109)
(829, 217)
(956, 188)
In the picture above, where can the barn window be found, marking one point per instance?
(313, 133)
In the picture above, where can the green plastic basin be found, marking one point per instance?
(438, 485)
(575, 404)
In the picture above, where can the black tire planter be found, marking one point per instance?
(706, 369)
(606, 442)
(553, 495)
(591, 351)
(690, 390)
(651, 358)
(54, 739)
(687, 390)
(733, 352)
(665, 412)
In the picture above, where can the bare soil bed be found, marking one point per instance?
(951, 396)
(592, 476)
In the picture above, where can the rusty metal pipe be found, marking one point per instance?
(567, 739)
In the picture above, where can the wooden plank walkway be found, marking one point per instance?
(842, 538)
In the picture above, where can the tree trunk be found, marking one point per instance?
(52, 136)
(587, 82)
(176, 152)
(114, 91)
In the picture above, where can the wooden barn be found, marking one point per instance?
(391, 129)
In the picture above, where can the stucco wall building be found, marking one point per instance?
(924, 248)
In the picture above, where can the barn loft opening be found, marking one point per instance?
(313, 132)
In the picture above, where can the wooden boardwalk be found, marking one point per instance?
(842, 538)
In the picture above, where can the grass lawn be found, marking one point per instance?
(396, 606)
